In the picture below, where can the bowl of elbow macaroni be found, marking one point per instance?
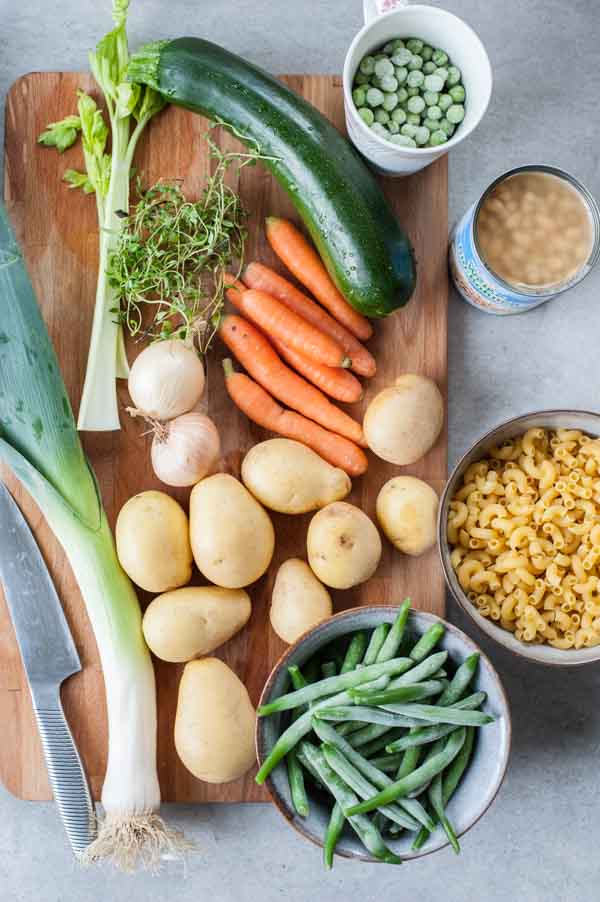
(519, 535)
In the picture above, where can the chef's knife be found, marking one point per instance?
(49, 657)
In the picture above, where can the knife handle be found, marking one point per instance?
(65, 770)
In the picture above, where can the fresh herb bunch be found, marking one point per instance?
(172, 253)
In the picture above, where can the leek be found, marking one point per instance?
(40, 443)
(130, 107)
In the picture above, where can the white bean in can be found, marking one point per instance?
(534, 233)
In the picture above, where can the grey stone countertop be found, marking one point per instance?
(539, 841)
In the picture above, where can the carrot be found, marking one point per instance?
(303, 261)
(275, 319)
(261, 408)
(260, 360)
(258, 276)
(334, 381)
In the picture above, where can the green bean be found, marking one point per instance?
(294, 770)
(419, 777)
(409, 693)
(427, 642)
(332, 834)
(367, 715)
(328, 669)
(332, 685)
(410, 759)
(355, 652)
(430, 714)
(378, 636)
(389, 764)
(391, 645)
(299, 729)
(373, 738)
(365, 830)
(421, 736)
(435, 797)
(367, 769)
(422, 671)
(460, 681)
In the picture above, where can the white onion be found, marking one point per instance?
(166, 380)
(185, 449)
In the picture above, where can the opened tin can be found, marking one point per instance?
(475, 278)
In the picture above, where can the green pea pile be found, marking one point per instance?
(410, 94)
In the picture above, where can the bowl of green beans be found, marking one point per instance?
(383, 734)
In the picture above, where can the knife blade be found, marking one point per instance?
(49, 657)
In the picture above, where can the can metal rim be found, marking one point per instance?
(590, 202)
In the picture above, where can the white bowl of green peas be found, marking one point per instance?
(383, 734)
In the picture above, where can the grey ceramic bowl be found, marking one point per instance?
(548, 419)
(483, 778)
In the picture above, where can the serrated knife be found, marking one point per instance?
(49, 657)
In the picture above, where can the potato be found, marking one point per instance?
(343, 544)
(153, 542)
(215, 722)
(407, 512)
(404, 421)
(290, 478)
(299, 601)
(191, 622)
(232, 535)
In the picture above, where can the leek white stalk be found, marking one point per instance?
(39, 441)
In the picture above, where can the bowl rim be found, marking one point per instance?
(489, 629)
(392, 610)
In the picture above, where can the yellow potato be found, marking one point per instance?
(232, 535)
(299, 601)
(215, 722)
(407, 513)
(153, 543)
(290, 478)
(404, 421)
(191, 622)
(343, 544)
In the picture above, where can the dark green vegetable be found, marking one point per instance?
(435, 797)
(425, 734)
(378, 637)
(427, 642)
(333, 833)
(423, 671)
(295, 772)
(328, 669)
(373, 738)
(410, 693)
(355, 652)
(460, 681)
(432, 714)
(391, 645)
(357, 235)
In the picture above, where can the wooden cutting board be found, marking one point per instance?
(58, 231)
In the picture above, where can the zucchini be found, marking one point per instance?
(358, 237)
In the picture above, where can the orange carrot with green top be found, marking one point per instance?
(276, 320)
(261, 277)
(260, 360)
(261, 408)
(303, 261)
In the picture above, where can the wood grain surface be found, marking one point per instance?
(57, 228)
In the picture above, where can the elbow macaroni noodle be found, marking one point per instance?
(524, 529)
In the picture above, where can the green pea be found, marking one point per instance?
(422, 135)
(367, 65)
(403, 140)
(431, 98)
(393, 127)
(415, 79)
(359, 96)
(388, 48)
(455, 113)
(397, 44)
(366, 115)
(426, 52)
(409, 130)
(416, 62)
(379, 129)
(433, 83)
(446, 126)
(374, 97)
(390, 102)
(399, 116)
(389, 84)
(413, 119)
(433, 112)
(361, 79)
(402, 57)
(415, 45)
(379, 56)
(431, 124)
(454, 76)
(416, 105)
(382, 116)
(401, 73)
(438, 137)
(445, 102)
(439, 57)
(457, 93)
(428, 68)
(412, 92)
(375, 82)
(384, 67)
(442, 72)
(402, 94)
